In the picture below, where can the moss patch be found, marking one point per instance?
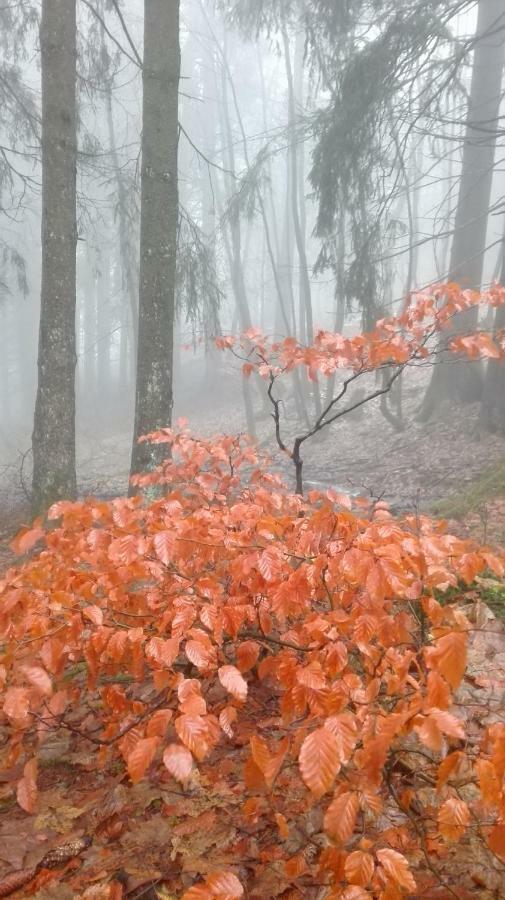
(486, 488)
(489, 590)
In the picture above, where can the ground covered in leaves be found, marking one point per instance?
(111, 839)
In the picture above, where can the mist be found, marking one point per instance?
(320, 181)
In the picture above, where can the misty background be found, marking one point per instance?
(320, 166)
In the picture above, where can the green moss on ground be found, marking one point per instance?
(489, 589)
(487, 487)
(492, 592)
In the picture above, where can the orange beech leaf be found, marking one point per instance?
(311, 678)
(179, 762)
(39, 679)
(232, 680)
(141, 757)
(496, 840)
(270, 564)
(295, 866)
(202, 657)
(332, 859)
(158, 723)
(359, 868)
(282, 825)
(433, 726)
(247, 654)
(345, 729)
(94, 614)
(227, 716)
(193, 732)
(353, 892)
(496, 565)
(497, 735)
(319, 761)
(448, 657)
(124, 550)
(396, 868)
(254, 780)
(26, 540)
(188, 687)
(193, 705)
(253, 809)
(340, 817)
(17, 704)
(453, 819)
(438, 694)
(218, 885)
(162, 652)
(489, 782)
(268, 764)
(164, 545)
(336, 658)
(449, 766)
(26, 793)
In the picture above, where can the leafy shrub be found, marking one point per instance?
(285, 657)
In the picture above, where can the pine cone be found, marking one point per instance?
(61, 855)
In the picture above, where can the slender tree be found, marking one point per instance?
(158, 228)
(492, 411)
(53, 439)
(457, 382)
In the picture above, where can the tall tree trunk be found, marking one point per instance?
(339, 321)
(53, 440)
(492, 411)
(458, 381)
(129, 262)
(5, 362)
(158, 229)
(234, 245)
(298, 72)
(307, 327)
(103, 332)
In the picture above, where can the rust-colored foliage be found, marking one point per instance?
(285, 656)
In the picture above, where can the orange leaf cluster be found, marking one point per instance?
(401, 340)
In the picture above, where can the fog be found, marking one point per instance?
(320, 162)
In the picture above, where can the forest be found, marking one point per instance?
(252, 449)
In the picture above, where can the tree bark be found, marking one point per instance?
(306, 317)
(129, 262)
(158, 229)
(492, 411)
(234, 244)
(53, 439)
(458, 381)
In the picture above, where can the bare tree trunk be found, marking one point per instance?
(128, 259)
(5, 373)
(158, 229)
(53, 440)
(458, 381)
(492, 411)
(304, 319)
(234, 247)
(339, 297)
(307, 326)
(103, 332)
